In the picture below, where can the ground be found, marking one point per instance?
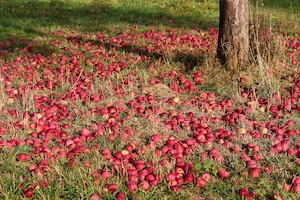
(126, 100)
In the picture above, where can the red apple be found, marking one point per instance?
(95, 197)
(201, 182)
(222, 173)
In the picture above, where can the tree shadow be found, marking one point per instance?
(189, 60)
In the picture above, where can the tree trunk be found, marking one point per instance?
(233, 42)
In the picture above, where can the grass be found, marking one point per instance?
(50, 30)
(34, 18)
(31, 18)
(274, 12)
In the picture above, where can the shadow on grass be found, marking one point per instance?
(189, 60)
(22, 20)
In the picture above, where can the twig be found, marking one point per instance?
(76, 80)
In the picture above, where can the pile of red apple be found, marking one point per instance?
(88, 89)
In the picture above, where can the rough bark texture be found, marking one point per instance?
(233, 43)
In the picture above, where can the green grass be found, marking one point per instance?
(36, 18)
(31, 18)
(276, 11)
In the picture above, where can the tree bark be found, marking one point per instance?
(233, 42)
